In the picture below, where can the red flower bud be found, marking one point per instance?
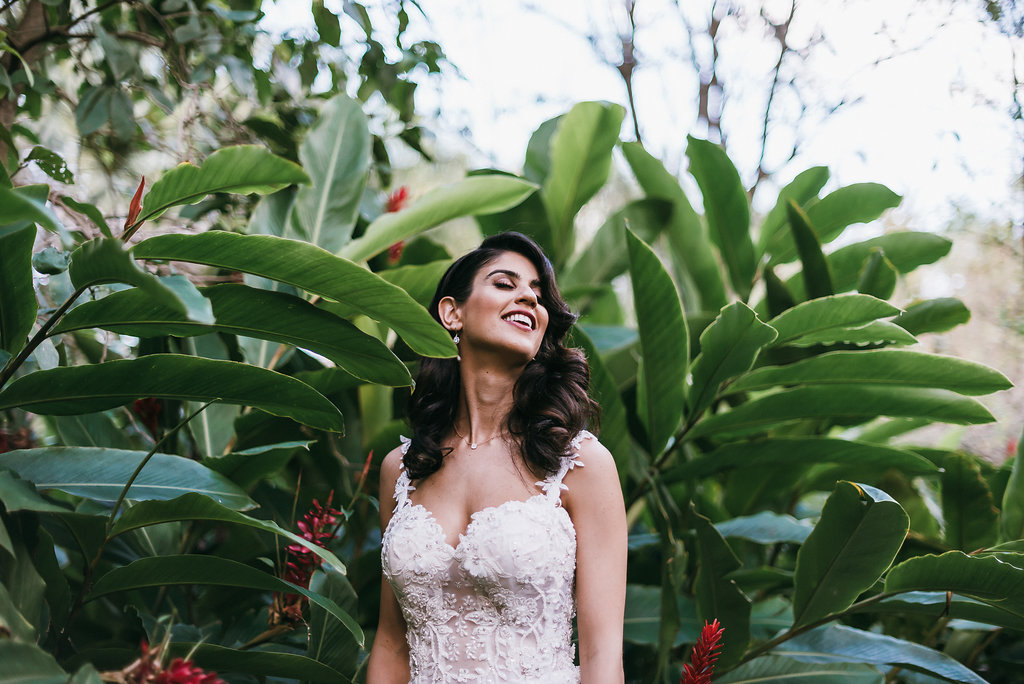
(705, 654)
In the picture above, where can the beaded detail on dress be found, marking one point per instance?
(498, 606)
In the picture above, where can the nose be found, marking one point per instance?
(527, 296)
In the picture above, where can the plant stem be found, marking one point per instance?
(38, 338)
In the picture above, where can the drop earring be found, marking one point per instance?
(456, 340)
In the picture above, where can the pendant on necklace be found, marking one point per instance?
(472, 445)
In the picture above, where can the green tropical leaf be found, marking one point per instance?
(419, 281)
(18, 304)
(816, 276)
(802, 190)
(473, 195)
(1011, 522)
(718, 597)
(726, 209)
(248, 466)
(24, 205)
(874, 333)
(101, 474)
(581, 158)
(262, 664)
(240, 169)
(985, 578)
(827, 313)
(766, 528)
(860, 530)
(17, 494)
(329, 642)
(932, 603)
(27, 663)
(335, 153)
(933, 316)
(195, 506)
(194, 569)
(695, 261)
(537, 164)
(879, 366)
(855, 402)
(968, 509)
(528, 217)
(664, 340)
(791, 451)
(773, 669)
(83, 389)
(841, 644)
(878, 278)
(729, 347)
(105, 260)
(90, 210)
(91, 429)
(314, 270)
(250, 312)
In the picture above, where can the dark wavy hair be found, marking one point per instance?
(550, 400)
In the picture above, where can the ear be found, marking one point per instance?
(450, 313)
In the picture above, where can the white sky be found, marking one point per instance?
(932, 123)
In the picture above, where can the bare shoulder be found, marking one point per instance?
(597, 476)
(389, 469)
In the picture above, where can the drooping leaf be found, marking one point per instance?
(726, 209)
(816, 275)
(985, 578)
(766, 528)
(774, 669)
(1011, 521)
(855, 402)
(802, 190)
(101, 474)
(933, 316)
(18, 304)
(581, 158)
(729, 347)
(82, 389)
(825, 313)
(196, 506)
(105, 260)
(839, 643)
(473, 195)
(968, 509)
(314, 270)
(860, 530)
(23, 206)
(329, 642)
(17, 494)
(248, 466)
(195, 569)
(782, 452)
(878, 277)
(664, 340)
(335, 153)
(263, 664)
(239, 169)
(880, 366)
(90, 210)
(691, 248)
(250, 312)
(718, 597)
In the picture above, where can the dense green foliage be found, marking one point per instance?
(172, 403)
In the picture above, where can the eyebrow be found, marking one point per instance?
(512, 274)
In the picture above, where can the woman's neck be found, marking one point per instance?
(485, 402)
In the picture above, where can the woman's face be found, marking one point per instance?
(503, 312)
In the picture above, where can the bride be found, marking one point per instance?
(508, 518)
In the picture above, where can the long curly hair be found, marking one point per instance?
(550, 400)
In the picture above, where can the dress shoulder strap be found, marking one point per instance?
(402, 484)
(552, 484)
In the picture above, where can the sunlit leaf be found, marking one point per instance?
(825, 313)
(933, 315)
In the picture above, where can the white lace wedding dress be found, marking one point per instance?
(498, 607)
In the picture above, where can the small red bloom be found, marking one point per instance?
(397, 200)
(395, 252)
(148, 669)
(184, 672)
(148, 410)
(318, 526)
(705, 654)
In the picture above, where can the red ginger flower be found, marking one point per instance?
(705, 654)
(185, 672)
(148, 669)
(396, 202)
(318, 526)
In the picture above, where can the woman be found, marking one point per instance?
(497, 534)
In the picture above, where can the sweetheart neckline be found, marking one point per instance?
(473, 518)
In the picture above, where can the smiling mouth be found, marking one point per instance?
(519, 319)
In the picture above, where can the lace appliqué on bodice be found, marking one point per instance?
(497, 607)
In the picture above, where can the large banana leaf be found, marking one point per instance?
(860, 530)
(1011, 522)
(83, 389)
(105, 260)
(485, 194)
(581, 158)
(816, 275)
(18, 303)
(336, 154)
(195, 569)
(688, 237)
(826, 313)
(240, 169)
(664, 340)
(259, 664)
(841, 644)
(101, 474)
(729, 347)
(250, 312)
(717, 595)
(802, 190)
(773, 669)
(726, 209)
(314, 270)
(194, 506)
(968, 509)
(985, 578)
(881, 366)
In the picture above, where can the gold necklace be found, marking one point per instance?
(474, 445)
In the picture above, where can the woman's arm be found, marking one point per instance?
(389, 656)
(594, 501)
